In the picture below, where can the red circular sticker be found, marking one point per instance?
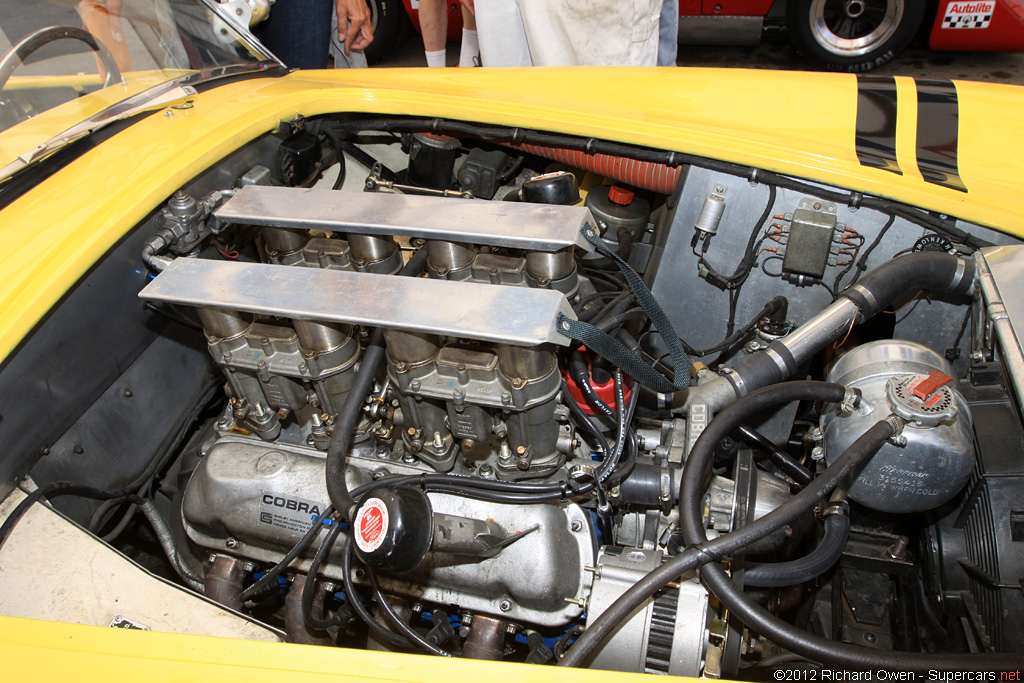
(371, 525)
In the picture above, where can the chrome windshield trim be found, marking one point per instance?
(169, 93)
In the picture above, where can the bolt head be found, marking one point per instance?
(505, 605)
(576, 526)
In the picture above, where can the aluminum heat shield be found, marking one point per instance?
(536, 227)
(514, 315)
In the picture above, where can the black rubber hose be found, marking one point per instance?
(348, 416)
(928, 270)
(807, 568)
(389, 613)
(613, 307)
(62, 488)
(168, 447)
(359, 608)
(932, 271)
(784, 461)
(757, 618)
(309, 587)
(610, 324)
(776, 305)
(711, 551)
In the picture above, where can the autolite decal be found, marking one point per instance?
(968, 14)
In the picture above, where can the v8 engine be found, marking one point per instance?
(632, 414)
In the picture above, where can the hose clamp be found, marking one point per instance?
(734, 378)
(897, 423)
(705, 556)
(958, 276)
(779, 361)
(837, 509)
(866, 294)
(851, 399)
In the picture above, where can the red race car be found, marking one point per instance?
(842, 35)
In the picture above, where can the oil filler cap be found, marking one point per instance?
(922, 400)
(393, 529)
(620, 195)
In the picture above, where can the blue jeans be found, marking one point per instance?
(298, 32)
(668, 33)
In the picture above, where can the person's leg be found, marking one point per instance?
(469, 53)
(434, 27)
(298, 32)
(668, 33)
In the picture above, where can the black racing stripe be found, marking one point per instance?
(938, 133)
(876, 123)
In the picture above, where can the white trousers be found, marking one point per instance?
(568, 32)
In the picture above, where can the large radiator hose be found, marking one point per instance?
(931, 271)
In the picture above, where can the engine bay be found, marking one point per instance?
(544, 399)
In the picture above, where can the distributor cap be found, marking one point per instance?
(922, 400)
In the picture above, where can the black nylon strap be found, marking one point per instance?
(612, 349)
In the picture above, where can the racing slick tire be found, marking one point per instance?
(388, 20)
(852, 35)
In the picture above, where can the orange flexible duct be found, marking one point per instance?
(645, 174)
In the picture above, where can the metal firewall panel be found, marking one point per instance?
(699, 311)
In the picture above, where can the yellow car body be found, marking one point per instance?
(798, 124)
